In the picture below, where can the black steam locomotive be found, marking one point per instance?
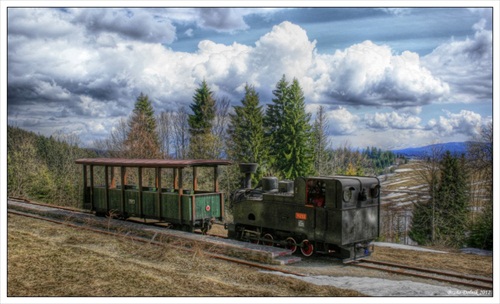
(337, 215)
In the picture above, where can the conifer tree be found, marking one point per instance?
(246, 132)
(200, 122)
(288, 131)
(452, 200)
(143, 107)
(298, 149)
(142, 137)
(443, 219)
(320, 141)
(273, 121)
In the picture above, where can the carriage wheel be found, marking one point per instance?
(187, 228)
(307, 248)
(291, 244)
(270, 239)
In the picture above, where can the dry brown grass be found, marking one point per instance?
(46, 259)
(456, 262)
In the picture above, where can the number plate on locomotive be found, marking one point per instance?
(300, 216)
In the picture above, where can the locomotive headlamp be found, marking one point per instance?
(375, 191)
(348, 193)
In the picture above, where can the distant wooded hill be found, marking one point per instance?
(456, 148)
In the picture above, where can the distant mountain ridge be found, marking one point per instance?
(456, 148)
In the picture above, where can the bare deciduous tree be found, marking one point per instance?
(219, 127)
(165, 132)
(428, 173)
(180, 128)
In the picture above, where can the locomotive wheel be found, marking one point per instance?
(254, 241)
(269, 237)
(254, 237)
(291, 244)
(307, 248)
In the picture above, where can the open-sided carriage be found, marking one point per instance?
(154, 189)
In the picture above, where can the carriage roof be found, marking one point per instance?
(153, 163)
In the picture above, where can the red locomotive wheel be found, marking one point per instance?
(291, 244)
(269, 237)
(254, 239)
(307, 249)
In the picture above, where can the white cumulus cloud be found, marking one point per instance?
(466, 65)
(465, 122)
(370, 74)
(392, 120)
(342, 122)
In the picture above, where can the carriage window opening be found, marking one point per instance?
(99, 180)
(114, 178)
(149, 179)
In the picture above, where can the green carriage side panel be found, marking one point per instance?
(170, 207)
(115, 199)
(99, 197)
(186, 206)
(87, 205)
(132, 203)
(208, 206)
(149, 199)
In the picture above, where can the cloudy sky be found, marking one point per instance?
(388, 77)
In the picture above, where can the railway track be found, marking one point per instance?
(432, 274)
(145, 240)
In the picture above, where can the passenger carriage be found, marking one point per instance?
(154, 189)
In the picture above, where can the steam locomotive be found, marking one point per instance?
(336, 215)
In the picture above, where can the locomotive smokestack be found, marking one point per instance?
(248, 169)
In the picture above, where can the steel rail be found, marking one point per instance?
(424, 276)
(24, 200)
(144, 240)
(441, 272)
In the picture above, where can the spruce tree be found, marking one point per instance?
(143, 107)
(200, 122)
(421, 224)
(443, 219)
(246, 132)
(288, 131)
(298, 150)
(274, 124)
(452, 200)
(320, 141)
(142, 137)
